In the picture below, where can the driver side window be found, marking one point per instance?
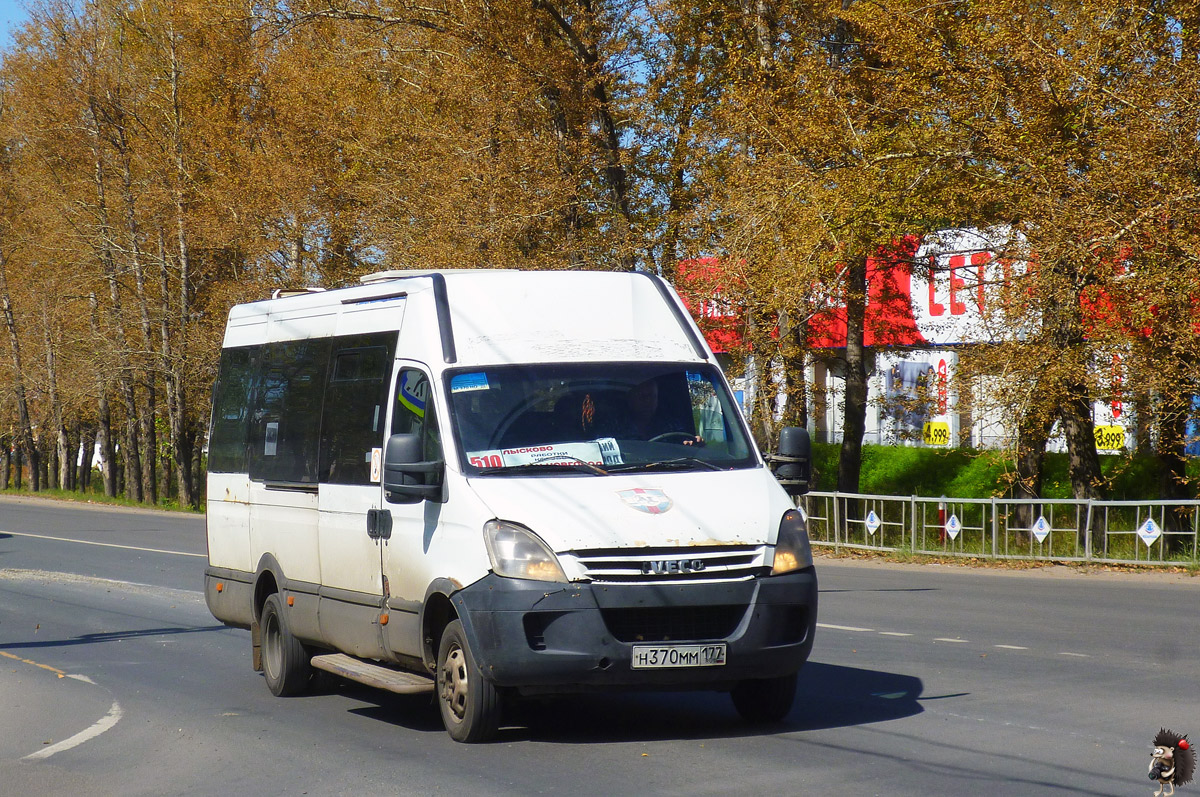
(413, 412)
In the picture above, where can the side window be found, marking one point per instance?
(355, 406)
(413, 412)
(231, 403)
(285, 423)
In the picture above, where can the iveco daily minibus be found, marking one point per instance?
(495, 484)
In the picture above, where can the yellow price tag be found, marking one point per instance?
(1110, 438)
(936, 433)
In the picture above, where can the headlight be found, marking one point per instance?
(792, 550)
(517, 552)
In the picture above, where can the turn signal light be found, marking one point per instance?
(220, 586)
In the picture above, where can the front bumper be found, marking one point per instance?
(552, 638)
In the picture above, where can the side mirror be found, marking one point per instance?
(406, 478)
(792, 462)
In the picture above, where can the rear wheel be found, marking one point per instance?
(469, 703)
(765, 699)
(285, 661)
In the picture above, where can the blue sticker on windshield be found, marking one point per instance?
(693, 376)
(460, 383)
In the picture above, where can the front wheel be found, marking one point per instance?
(469, 703)
(285, 661)
(765, 700)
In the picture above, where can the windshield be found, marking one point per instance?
(595, 418)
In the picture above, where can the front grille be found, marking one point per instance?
(672, 565)
(672, 624)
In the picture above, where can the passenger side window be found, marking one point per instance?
(231, 399)
(286, 420)
(355, 406)
(413, 412)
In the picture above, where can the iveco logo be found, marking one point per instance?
(663, 567)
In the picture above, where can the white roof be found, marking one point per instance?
(497, 316)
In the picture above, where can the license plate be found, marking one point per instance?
(653, 657)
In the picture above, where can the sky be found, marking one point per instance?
(12, 14)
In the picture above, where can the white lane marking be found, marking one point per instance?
(100, 726)
(83, 678)
(843, 627)
(936, 639)
(104, 544)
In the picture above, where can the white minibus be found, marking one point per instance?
(486, 485)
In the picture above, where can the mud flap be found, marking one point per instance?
(256, 646)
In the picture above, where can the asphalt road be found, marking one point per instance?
(114, 679)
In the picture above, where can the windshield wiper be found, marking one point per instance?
(571, 464)
(679, 463)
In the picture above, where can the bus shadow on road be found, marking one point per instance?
(828, 696)
(112, 636)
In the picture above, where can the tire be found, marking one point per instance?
(765, 700)
(284, 659)
(470, 704)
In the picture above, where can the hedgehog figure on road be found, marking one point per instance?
(1173, 761)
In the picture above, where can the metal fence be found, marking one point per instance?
(1067, 530)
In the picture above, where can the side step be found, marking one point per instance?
(377, 675)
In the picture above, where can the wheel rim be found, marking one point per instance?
(454, 682)
(271, 648)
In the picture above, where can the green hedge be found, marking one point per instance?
(964, 473)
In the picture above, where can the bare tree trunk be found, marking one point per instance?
(87, 446)
(46, 458)
(108, 460)
(146, 427)
(1033, 429)
(175, 358)
(1172, 463)
(1079, 428)
(130, 446)
(795, 379)
(27, 443)
(854, 415)
(60, 458)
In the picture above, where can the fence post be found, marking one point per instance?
(995, 526)
(1087, 534)
(837, 518)
(912, 521)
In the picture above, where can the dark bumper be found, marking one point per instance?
(543, 637)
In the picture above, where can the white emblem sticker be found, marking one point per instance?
(652, 501)
(873, 522)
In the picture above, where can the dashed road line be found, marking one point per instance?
(953, 640)
(845, 628)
